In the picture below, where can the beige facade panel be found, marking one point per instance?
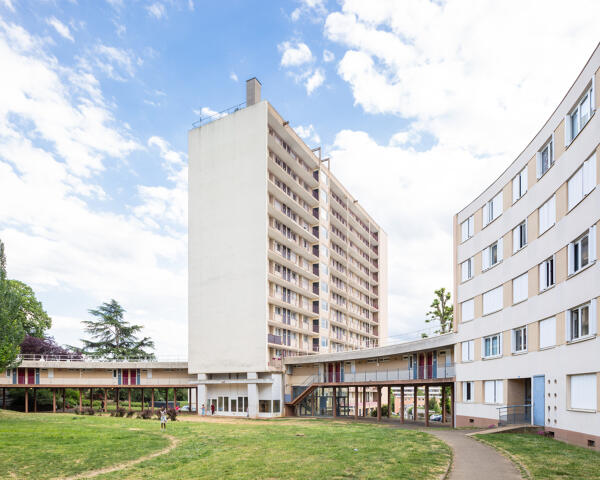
(560, 262)
(559, 134)
(507, 196)
(507, 294)
(560, 328)
(532, 226)
(477, 263)
(561, 202)
(478, 221)
(533, 337)
(478, 306)
(531, 173)
(506, 341)
(533, 279)
(477, 349)
(508, 244)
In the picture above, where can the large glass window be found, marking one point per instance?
(580, 115)
(579, 322)
(492, 254)
(520, 185)
(468, 391)
(468, 351)
(492, 346)
(466, 229)
(582, 182)
(492, 209)
(545, 158)
(467, 269)
(546, 274)
(519, 340)
(519, 236)
(582, 251)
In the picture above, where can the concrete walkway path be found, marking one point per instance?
(473, 459)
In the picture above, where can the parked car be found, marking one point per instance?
(436, 417)
(186, 408)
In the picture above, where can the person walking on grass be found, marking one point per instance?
(212, 408)
(163, 419)
(203, 410)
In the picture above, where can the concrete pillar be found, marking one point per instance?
(402, 403)
(4, 398)
(63, 398)
(105, 400)
(202, 397)
(252, 396)
(91, 398)
(53, 400)
(364, 412)
(26, 400)
(355, 403)
(35, 400)
(142, 400)
(378, 403)
(198, 409)
(334, 402)
(152, 400)
(452, 403)
(389, 412)
(426, 405)
(443, 403)
(80, 402)
(129, 397)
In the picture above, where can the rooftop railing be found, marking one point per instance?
(90, 358)
(216, 115)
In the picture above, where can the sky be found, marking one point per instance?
(420, 105)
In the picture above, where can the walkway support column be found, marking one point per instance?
(80, 402)
(364, 412)
(197, 410)
(129, 397)
(443, 403)
(389, 402)
(91, 398)
(105, 400)
(334, 402)
(54, 400)
(142, 400)
(402, 403)
(175, 400)
(378, 403)
(152, 399)
(64, 392)
(117, 397)
(35, 400)
(452, 403)
(356, 403)
(26, 400)
(4, 398)
(426, 405)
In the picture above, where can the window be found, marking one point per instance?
(468, 391)
(324, 287)
(493, 391)
(547, 214)
(324, 306)
(583, 391)
(467, 269)
(324, 323)
(581, 321)
(466, 229)
(492, 300)
(582, 251)
(264, 406)
(468, 310)
(492, 346)
(276, 406)
(519, 236)
(546, 274)
(548, 332)
(323, 342)
(467, 351)
(545, 158)
(577, 119)
(520, 285)
(582, 182)
(493, 209)
(492, 254)
(519, 340)
(519, 186)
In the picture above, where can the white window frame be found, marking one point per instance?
(576, 112)
(466, 270)
(498, 353)
(487, 254)
(575, 251)
(468, 306)
(519, 185)
(581, 183)
(583, 385)
(468, 392)
(574, 316)
(548, 151)
(547, 212)
(468, 351)
(493, 308)
(492, 209)
(520, 288)
(519, 233)
(522, 348)
(467, 228)
(549, 325)
(496, 387)
(547, 273)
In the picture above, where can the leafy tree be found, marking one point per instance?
(11, 330)
(112, 336)
(46, 346)
(442, 311)
(31, 315)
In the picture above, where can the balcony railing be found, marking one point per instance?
(76, 357)
(425, 372)
(514, 415)
(276, 339)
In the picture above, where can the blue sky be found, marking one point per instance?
(412, 99)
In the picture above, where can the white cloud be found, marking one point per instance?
(315, 80)
(328, 56)
(117, 63)
(315, 9)
(8, 4)
(191, 5)
(233, 76)
(156, 10)
(61, 28)
(472, 83)
(294, 55)
(308, 133)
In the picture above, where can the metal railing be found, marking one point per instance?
(514, 415)
(215, 116)
(75, 357)
(425, 372)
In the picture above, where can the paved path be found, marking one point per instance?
(473, 459)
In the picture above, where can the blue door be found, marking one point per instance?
(539, 394)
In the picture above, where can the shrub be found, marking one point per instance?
(130, 413)
(384, 410)
(172, 414)
(146, 414)
(157, 414)
(90, 411)
(119, 412)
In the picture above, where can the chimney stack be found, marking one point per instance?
(252, 91)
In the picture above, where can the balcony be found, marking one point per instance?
(423, 372)
(275, 339)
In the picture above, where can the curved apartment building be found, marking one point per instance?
(527, 280)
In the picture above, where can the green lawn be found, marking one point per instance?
(48, 446)
(547, 458)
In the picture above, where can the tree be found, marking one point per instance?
(46, 347)
(11, 330)
(112, 336)
(31, 314)
(441, 311)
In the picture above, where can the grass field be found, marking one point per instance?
(547, 458)
(47, 446)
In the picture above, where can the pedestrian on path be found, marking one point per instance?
(203, 410)
(212, 408)
(163, 419)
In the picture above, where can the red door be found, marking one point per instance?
(31, 376)
(430, 365)
(338, 372)
(132, 377)
(21, 376)
(330, 368)
(421, 365)
(125, 377)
